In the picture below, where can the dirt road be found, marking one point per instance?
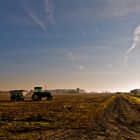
(72, 117)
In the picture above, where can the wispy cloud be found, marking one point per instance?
(95, 48)
(121, 8)
(73, 59)
(31, 13)
(47, 15)
(70, 55)
(80, 55)
(136, 40)
(80, 67)
(104, 9)
(109, 66)
(49, 9)
(125, 62)
(97, 73)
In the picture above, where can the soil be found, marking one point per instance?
(71, 117)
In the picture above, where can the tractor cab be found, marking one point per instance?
(38, 89)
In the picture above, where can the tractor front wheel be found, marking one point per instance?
(35, 97)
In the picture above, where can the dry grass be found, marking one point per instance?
(132, 99)
(83, 116)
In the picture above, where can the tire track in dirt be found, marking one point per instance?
(93, 130)
(119, 121)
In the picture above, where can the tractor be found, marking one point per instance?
(16, 95)
(38, 94)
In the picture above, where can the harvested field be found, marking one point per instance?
(73, 117)
(4, 96)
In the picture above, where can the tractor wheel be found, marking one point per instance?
(35, 97)
(12, 98)
(17, 98)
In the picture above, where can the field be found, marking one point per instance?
(72, 117)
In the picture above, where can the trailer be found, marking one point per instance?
(17, 95)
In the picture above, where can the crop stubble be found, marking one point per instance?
(83, 116)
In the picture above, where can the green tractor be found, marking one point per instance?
(38, 94)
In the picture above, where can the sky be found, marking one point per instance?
(88, 44)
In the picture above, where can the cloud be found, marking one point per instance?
(70, 55)
(97, 73)
(80, 67)
(80, 55)
(95, 48)
(121, 8)
(31, 13)
(109, 66)
(90, 10)
(125, 62)
(136, 39)
(49, 9)
(73, 59)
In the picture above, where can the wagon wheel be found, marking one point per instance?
(12, 98)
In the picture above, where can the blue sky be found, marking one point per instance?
(89, 44)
